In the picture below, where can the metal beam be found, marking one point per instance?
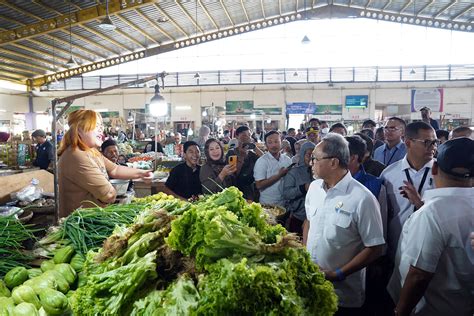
(406, 6)
(444, 9)
(154, 25)
(96, 44)
(263, 9)
(25, 56)
(226, 12)
(36, 51)
(171, 20)
(245, 10)
(6, 78)
(189, 16)
(82, 48)
(62, 21)
(15, 8)
(106, 38)
(24, 73)
(386, 5)
(463, 12)
(426, 6)
(13, 75)
(208, 14)
(29, 65)
(45, 6)
(137, 28)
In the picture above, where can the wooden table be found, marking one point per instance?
(143, 189)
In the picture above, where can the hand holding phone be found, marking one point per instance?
(233, 160)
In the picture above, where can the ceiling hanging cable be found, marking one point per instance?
(197, 75)
(412, 71)
(106, 24)
(71, 62)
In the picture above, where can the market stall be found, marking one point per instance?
(163, 256)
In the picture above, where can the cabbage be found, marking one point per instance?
(24, 293)
(54, 302)
(40, 283)
(47, 265)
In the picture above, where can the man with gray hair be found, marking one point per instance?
(343, 231)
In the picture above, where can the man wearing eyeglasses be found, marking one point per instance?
(407, 179)
(343, 231)
(394, 149)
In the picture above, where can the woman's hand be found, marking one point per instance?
(146, 175)
(227, 171)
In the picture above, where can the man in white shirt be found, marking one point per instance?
(433, 268)
(394, 149)
(343, 231)
(269, 169)
(407, 179)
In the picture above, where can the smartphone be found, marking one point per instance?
(249, 146)
(233, 160)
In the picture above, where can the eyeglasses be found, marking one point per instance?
(428, 142)
(391, 128)
(319, 159)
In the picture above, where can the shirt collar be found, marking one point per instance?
(451, 191)
(406, 165)
(342, 185)
(397, 146)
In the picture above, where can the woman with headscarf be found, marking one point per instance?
(215, 174)
(82, 170)
(294, 187)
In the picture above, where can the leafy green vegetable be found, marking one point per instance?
(25, 309)
(24, 293)
(4, 291)
(54, 302)
(111, 291)
(179, 299)
(15, 277)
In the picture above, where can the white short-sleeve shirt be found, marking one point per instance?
(265, 167)
(343, 221)
(436, 239)
(400, 208)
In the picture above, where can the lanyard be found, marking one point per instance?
(422, 183)
(394, 152)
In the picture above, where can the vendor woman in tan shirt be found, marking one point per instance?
(83, 172)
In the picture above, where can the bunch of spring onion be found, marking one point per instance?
(87, 228)
(12, 235)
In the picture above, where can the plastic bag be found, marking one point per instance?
(30, 192)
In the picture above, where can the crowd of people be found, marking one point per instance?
(387, 213)
(387, 219)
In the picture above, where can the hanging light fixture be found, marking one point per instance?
(412, 71)
(295, 74)
(158, 104)
(71, 61)
(107, 24)
(197, 75)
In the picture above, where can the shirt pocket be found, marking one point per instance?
(338, 230)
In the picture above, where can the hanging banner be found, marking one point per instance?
(301, 108)
(357, 101)
(328, 109)
(238, 107)
(430, 98)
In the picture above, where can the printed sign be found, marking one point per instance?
(430, 98)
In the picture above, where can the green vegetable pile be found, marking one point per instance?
(12, 235)
(86, 229)
(217, 256)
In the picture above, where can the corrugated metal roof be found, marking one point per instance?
(38, 27)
